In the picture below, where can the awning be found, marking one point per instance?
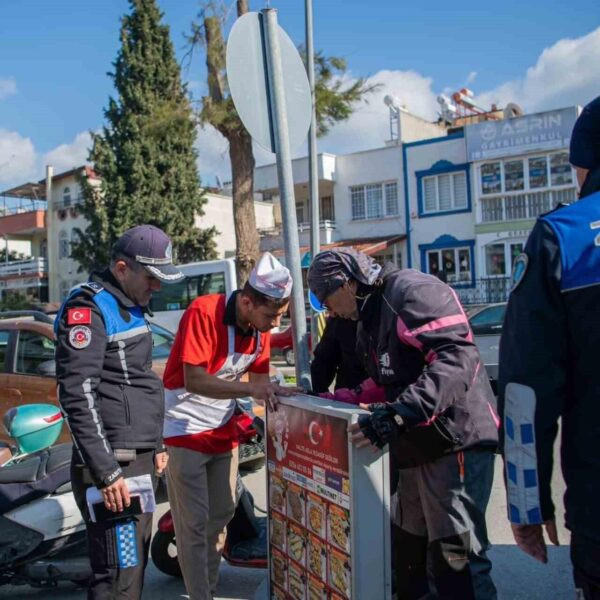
(367, 245)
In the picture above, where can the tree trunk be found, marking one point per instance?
(244, 219)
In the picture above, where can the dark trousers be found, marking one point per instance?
(585, 556)
(441, 536)
(109, 581)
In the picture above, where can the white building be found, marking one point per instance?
(457, 203)
(41, 221)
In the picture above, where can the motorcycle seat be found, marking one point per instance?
(35, 476)
(37, 466)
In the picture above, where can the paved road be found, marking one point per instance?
(517, 576)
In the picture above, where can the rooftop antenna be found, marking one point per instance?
(395, 108)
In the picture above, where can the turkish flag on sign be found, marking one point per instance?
(79, 316)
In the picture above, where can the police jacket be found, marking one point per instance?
(549, 368)
(111, 397)
(416, 341)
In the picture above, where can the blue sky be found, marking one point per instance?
(55, 56)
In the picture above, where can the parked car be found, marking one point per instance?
(27, 366)
(486, 323)
(281, 342)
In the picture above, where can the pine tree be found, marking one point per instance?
(144, 156)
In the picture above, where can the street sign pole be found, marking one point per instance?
(286, 190)
(313, 173)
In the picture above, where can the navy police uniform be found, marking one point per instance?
(548, 364)
(114, 404)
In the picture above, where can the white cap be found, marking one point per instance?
(270, 277)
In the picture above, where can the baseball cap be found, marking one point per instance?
(585, 139)
(270, 277)
(151, 247)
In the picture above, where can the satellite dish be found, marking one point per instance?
(512, 110)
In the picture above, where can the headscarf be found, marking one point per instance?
(332, 268)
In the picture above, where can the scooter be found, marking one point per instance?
(246, 543)
(42, 532)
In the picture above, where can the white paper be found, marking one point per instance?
(138, 486)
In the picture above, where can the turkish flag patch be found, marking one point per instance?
(79, 316)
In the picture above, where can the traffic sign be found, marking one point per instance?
(249, 85)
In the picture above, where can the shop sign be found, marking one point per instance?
(531, 133)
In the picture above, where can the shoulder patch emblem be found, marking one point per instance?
(518, 271)
(80, 337)
(93, 286)
(79, 316)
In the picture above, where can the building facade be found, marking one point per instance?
(459, 205)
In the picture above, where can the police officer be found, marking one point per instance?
(439, 417)
(548, 369)
(114, 405)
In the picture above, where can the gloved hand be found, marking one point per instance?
(383, 425)
(368, 392)
(342, 395)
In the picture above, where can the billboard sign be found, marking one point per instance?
(543, 131)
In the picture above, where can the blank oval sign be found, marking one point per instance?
(248, 84)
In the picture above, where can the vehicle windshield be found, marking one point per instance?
(488, 320)
(162, 341)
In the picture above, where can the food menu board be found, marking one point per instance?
(309, 505)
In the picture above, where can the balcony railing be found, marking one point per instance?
(23, 268)
(528, 205)
(485, 291)
(13, 206)
(325, 224)
(72, 202)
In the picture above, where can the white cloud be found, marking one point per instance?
(17, 158)
(368, 126)
(8, 87)
(69, 156)
(565, 74)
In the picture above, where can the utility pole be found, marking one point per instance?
(313, 169)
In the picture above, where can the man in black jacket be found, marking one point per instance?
(114, 405)
(335, 357)
(548, 363)
(439, 417)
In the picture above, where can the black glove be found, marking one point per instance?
(383, 425)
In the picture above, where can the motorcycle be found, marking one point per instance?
(246, 542)
(42, 532)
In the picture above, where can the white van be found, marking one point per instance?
(202, 278)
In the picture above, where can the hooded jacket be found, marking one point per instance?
(416, 341)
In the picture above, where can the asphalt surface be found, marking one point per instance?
(517, 576)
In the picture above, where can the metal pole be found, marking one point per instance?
(313, 173)
(286, 190)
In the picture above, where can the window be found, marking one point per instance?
(178, 296)
(63, 245)
(162, 340)
(374, 201)
(491, 178)
(560, 169)
(452, 265)
(443, 193)
(44, 248)
(495, 263)
(538, 172)
(500, 256)
(514, 178)
(67, 197)
(33, 349)
(4, 338)
(300, 213)
(391, 198)
(327, 209)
